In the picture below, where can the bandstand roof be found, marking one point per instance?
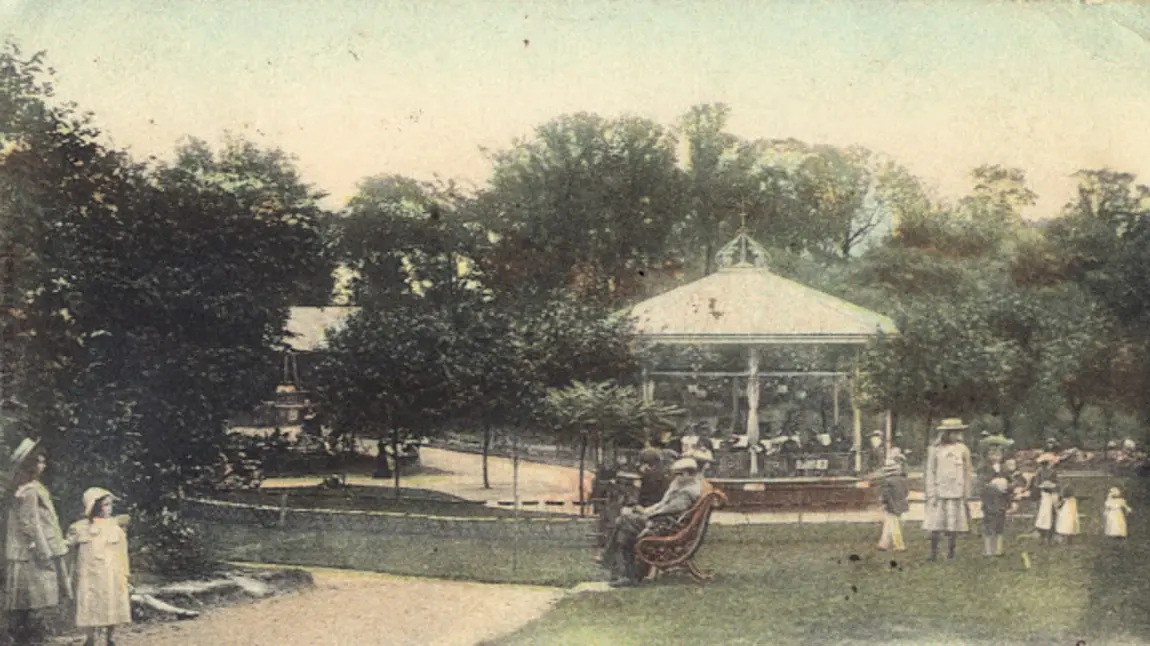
(745, 303)
(307, 326)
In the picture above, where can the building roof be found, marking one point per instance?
(744, 302)
(307, 326)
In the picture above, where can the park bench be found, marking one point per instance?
(677, 551)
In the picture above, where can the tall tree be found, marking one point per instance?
(586, 204)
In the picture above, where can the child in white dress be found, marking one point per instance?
(101, 552)
(1066, 525)
(1114, 522)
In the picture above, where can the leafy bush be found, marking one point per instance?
(164, 544)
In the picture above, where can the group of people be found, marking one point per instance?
(664, 494)
(87, 565)
(950, 481)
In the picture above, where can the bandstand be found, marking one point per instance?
(734, 328)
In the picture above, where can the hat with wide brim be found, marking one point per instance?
(952, 424)
(93, 495)
(26, 447)
(684, 464)
(1115, 492)
(1048, 458)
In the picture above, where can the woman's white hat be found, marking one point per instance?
(1115, 492)
(93, 495)
(27, 445)
(952, 424)
(684, 464)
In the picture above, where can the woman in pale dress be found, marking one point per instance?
(102, 594)
(1114, 524)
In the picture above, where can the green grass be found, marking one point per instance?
(476, 560)
(810, 584)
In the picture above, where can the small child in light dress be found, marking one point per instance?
(1066, 525)
(1115, 515)
(1044, 521)
(101, 553)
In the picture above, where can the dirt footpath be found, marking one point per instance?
(360, 609)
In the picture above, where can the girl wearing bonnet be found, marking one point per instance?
(102, 593)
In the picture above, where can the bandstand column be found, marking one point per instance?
(648, 387)
(753, 406)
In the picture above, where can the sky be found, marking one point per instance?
(355, 89)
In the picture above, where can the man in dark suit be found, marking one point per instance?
(684, 492)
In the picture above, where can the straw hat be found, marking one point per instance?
(684, 464)
(1048, 458)
(952, 424)
(93, 495)
(27, 445)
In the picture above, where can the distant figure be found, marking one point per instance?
(894, 494)
(1114, 516)
(996, 500)
(382, 468)
(1066, 525)
(949, 481)
(1045, 484)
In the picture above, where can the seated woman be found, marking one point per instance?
(684, 492)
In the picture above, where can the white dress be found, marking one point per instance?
(1115, 517)
(1046, 505)
(102, 597)
(1067, 523)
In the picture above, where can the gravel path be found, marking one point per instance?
(361, 609)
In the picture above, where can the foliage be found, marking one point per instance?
(144, 303)
(585, 204)
(166, 545)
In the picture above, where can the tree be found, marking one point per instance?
(586, 205)
(598, 412)
(145, 303)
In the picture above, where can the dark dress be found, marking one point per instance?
(895, 494)
(995, 504)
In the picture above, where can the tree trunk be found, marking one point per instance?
(927, 434)
(395, 452)
(582, 466)
(486, 452)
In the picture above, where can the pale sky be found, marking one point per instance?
(417, 88)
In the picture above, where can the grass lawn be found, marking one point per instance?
(774, 584)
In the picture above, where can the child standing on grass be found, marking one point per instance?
(894, 502)
(1067, 524)
(102, 597)
(996, 499)
(1114, 521)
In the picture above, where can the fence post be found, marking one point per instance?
(283, 509)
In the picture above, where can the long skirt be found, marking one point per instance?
(947, 515)
(1067, 522)
(35, 585)
(1115, 524)
(1045, 518)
